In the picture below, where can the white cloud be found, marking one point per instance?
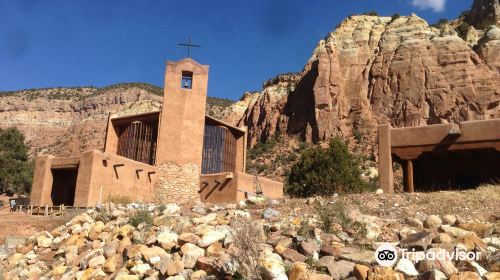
(436, 5)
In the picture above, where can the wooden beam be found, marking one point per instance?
(455, 129)
(409, 176)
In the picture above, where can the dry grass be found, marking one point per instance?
(119, 199)
(487, 191)
(247, 242)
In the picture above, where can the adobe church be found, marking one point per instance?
(178, 154)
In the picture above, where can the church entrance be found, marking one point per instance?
(63, 186)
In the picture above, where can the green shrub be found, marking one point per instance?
(141, 216)
(395, 16)
(16, 169)
(325, 172)
(257, 167)
(371, 13)
(262, 148)
(358, 135)
(462, 29)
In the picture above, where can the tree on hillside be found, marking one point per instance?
(16, 170)
(325, 172)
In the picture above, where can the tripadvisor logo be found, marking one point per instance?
(386, 255)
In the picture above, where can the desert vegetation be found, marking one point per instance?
(326, 172)
(16, 169)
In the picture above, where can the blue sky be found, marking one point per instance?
(81, 43)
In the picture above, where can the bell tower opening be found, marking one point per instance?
(187, 80)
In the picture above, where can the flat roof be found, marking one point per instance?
(463, 132)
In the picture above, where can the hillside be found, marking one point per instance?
(65, 121)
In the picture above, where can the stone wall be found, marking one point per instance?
(179, 184)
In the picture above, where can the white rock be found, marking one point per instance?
(140, 268)
(407, 267)
(449, 219)
(480, 270)
(171, 209)
(438, 275)
(97, 261)
(190, 254)
(155, 259)
(211, 237)
(455, 232)
(372, 231)
(493, 241)
(433, 222)
(379, 191)
(273, 266)
(167, 238)
(205, 219)
(243, 214)
(242, 204)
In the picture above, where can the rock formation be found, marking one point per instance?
(372, 70)
(484, 13)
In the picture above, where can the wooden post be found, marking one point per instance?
(46, 212)
(409, 176)
(386, 180)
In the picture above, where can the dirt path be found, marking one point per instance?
(20, 224)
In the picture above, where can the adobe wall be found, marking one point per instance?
(111, 141)
(217, 188)
(112, 176)
(221, 188)
(270, 188)
(101, 176)
(177, 184)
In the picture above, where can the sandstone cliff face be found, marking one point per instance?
(374, 70)
(68, 121)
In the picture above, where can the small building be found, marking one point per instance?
(178, 154)
(441, 156)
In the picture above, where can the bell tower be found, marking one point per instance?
(182, 121)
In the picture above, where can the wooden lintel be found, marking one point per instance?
(455, 129)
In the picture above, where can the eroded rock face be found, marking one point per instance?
(373, 70)
(66, 121)
(484, 13)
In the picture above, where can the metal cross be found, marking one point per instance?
(188, 45)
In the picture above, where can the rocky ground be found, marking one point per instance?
(315, 238)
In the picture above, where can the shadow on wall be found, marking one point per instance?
(219, 186)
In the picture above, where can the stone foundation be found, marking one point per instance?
(177, 184)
